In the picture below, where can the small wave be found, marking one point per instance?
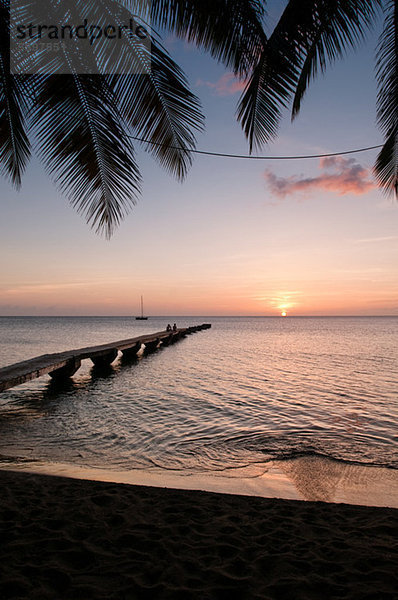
(15, 459)
(249, 448)
(292, 455)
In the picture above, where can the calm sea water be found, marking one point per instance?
(245, 392)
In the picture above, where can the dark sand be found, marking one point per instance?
(64, 538)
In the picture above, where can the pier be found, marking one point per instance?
(63, 365)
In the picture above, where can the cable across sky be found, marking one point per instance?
(249, 157)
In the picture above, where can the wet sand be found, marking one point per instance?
(77, 539)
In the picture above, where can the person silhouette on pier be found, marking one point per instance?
(174, 327)
(168, 328)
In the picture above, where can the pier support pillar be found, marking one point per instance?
(193, 329)
(67, 370)
(104, 360)
(151, 346)
(167, 340)
(131, 353)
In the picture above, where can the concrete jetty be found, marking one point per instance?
(63, 365)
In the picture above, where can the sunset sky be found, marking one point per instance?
(238, 237)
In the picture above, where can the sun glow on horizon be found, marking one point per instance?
(284, 306)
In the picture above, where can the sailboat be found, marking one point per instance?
(142, 318)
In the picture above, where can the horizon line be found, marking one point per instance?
(278, 316)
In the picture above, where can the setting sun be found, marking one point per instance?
(283, 314)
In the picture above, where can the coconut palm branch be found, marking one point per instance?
(309, 35)
(230, 30)
(14, 143)
(386, 167)
(337, 26)
(165, 113)
(83, 145)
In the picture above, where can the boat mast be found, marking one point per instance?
(142, 307)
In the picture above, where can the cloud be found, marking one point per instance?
(281, 300)
(339, 175)
(227, 85)
(375, 240)
(42, 288)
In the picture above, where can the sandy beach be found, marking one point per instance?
(66, 538)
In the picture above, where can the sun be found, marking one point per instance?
(284, 314)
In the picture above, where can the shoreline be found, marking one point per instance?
(310, 478)
(78, 539)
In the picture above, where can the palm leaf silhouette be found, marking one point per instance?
(14, 95)
(308, 35)
(230, 30)
(165, 112)
(84, 147)
(386, 167)
(330, 31)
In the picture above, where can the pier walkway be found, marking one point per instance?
(63, 365)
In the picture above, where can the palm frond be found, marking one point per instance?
(230, 30)
(84, 147)
(14, 143)
(126, 54)
(386, 168)
(161, 109)
(272, 81)
(330, 30)
(309, 34)
(151, 91)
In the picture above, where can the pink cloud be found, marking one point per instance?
(227, 85)
(340, 175)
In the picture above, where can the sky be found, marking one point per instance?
(237, 237)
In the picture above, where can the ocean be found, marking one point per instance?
(226, 401)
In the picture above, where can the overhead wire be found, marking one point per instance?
(249, 157)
